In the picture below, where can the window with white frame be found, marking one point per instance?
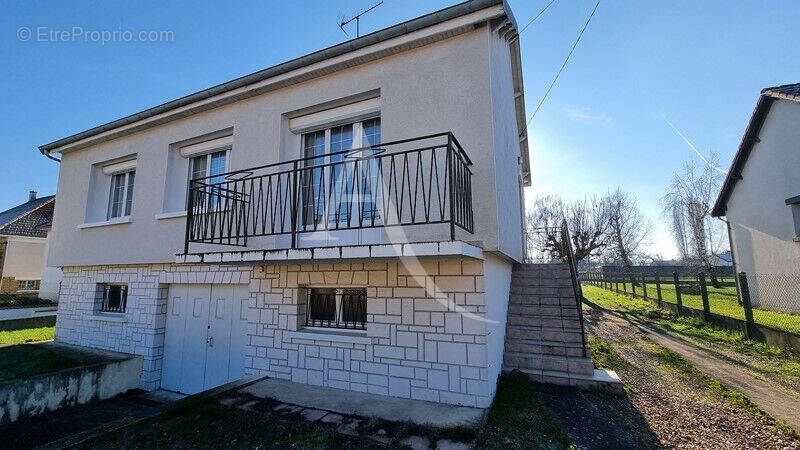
(114, 298)
(28, 285)
(337, 308)
(332, 192)
(211, 165)
(120, 199)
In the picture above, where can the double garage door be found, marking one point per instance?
(205, 337)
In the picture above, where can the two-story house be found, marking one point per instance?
(349, 218)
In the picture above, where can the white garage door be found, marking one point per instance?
(204, 343)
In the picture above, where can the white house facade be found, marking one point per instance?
(760, 200)
(349, 219)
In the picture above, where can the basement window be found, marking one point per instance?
(114, 298)
(337, 308)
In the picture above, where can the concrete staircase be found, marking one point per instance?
(543, 334)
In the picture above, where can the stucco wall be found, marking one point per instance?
(497, 275)
(762, 226)
(444, 86)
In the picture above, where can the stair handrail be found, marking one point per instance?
(569, 258)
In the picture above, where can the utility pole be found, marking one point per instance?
(344, 22)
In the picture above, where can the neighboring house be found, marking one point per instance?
(23, 246)
(237, 231)
(760, 200)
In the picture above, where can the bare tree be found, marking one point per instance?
(691, 193)
(587, 221)
(628, 229)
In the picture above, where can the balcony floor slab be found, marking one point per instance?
(352, 252)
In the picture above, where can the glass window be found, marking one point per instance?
(371, 171)
(121, 196)
(337, 308)
(115, 298)
(28, 285)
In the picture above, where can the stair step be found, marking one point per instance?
(566, 364)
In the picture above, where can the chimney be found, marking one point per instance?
(31, 196)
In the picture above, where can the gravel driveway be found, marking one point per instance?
(665, 407)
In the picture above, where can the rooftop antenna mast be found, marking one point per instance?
(344, 21)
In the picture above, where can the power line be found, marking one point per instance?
(564, 64)
(537, 16)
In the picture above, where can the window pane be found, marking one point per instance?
(341, 175)
(311, 180)
(217, 166)
(129, 194)
(114, 298)
(370, 172)
(354, 308)
(116, 196)
(198, 167)
(321, 307)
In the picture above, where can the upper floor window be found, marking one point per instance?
(121, 196)
(210, 165)
(337, 191)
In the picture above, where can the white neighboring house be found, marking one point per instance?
(314, 222)
(760, 199)
(23, 249)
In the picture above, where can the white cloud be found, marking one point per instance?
(585, 114)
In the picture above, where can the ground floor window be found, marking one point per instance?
(337, 308)
(28, 285)
(115, 298)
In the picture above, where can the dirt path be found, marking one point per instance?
(777, 402)
(666, 407)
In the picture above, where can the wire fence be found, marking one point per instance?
(768, 300)
(8, 301)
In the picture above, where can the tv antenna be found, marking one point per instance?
(344, 21)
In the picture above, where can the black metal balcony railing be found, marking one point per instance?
(420, 181)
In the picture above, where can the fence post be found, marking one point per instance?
(658, 289)
(633, 284)
(624, 285)
(644, 285)
(748, 307)
(701, 277)
(677, 291)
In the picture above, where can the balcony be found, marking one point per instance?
(415, 186)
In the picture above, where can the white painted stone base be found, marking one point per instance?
(426, 335)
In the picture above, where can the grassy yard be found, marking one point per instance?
(767, 359)
(724, 301)
(24, 360)
(517, 419)
(27, 335)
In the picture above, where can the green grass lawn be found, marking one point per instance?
(724, 301)
(27, 335)
(24, 360)
(517, 419)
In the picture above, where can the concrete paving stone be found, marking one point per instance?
(313, 414)
(349, 427)
(447, 444)
(385, 440)
(332, 418)
(416, 442)
(249, 406)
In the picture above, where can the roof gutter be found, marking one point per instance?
(47, 154)
(749, 140)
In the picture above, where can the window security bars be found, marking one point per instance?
(337, 308)
(115, 298)
(419, 181)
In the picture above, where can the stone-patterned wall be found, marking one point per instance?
(140, 331)
(423, 344)
(425, 339)
(8, 285)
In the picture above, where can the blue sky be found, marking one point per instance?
(700, 64)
